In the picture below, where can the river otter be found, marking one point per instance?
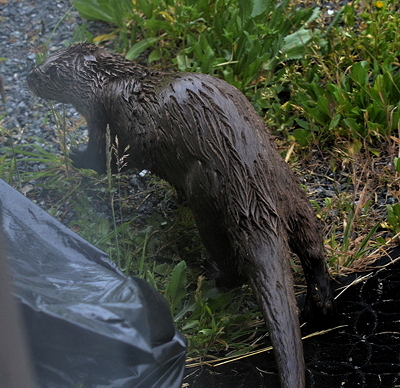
(204, 137)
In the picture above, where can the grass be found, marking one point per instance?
(329, 90)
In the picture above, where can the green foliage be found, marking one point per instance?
(349, 88)
(176, 288)
(49, 164)
(393, 217)
(238, 40)
(117, 12)
(208, 317)
(364, 105)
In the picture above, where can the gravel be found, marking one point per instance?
(26, 26)
(29, 28)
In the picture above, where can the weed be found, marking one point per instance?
(364, 105)
(346, 244)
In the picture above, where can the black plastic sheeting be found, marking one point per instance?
(87, 324)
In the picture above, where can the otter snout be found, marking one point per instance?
(46, 82)
(33, 80)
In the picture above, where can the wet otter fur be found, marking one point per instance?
(204, 137)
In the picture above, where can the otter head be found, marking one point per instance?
(69, 75)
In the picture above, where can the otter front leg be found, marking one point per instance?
(213, 232)
(93, 156)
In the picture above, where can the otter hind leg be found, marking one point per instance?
(319, 311)
(306, 240)
(223, 266)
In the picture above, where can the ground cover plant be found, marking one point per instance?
(327, 88)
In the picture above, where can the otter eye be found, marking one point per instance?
(52, 71)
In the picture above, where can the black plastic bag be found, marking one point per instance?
(87, 324)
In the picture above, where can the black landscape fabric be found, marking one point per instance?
(87, 324)
(363, 351)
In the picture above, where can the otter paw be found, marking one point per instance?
(77, 156)
(82, 158)
(319, 312)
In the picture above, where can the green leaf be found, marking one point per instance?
(323, 105)
(183, 61)
(245, 9)
(316, 114)
(154, 56)
(93, 10)
(259, 7)
(359, 72)
(176, 289)
(354, 126)
(303, 124)
(296, 43)
(207, 332)
(302, 136)
(220, 302)
(141, 46)
(396, 163)
(335, 121)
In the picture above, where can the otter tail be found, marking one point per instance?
(272, 283)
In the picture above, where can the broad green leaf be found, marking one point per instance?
(93, 10)
(302, 136)
(141, 46)
(316, 115)
(259, 7)
(154, 56)
(323, 105)
(176, 289)
(354, 126)
(359, 72)
(335, 121)
(246, 9)
(298, 39)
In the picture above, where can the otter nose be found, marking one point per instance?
(31, 80)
